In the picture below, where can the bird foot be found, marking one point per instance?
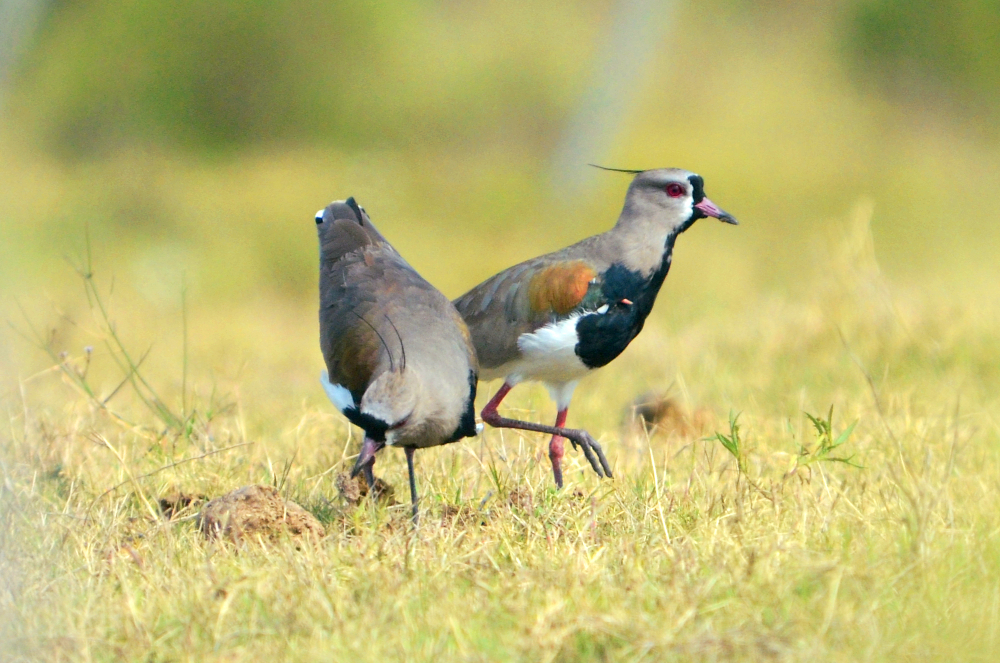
(591, 450)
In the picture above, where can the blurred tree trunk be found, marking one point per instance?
(18, 19)
(638, 29)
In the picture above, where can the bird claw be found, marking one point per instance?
(593, 453)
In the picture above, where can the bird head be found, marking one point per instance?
(393, 398)
(674, 197)
(387, 412)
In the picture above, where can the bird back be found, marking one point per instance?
(378, 315)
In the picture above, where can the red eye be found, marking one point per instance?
(675, 190)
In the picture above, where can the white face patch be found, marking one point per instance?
(338, 395)
(319, 215)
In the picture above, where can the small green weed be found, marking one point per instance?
(827, 444)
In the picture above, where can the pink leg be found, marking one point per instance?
(490, 414)
(591, 449)
(556, 448)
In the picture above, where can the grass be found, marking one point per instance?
(719, 539)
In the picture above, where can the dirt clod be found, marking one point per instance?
(521, 498)
(655, 411)
(353, 490)
(458, 515)
(176, 501)
(257, 510)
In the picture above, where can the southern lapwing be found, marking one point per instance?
(400, 364)
(559, 316)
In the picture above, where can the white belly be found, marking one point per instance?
(547, 355)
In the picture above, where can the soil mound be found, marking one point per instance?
(254, 511)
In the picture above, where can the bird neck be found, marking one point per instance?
(640, 284)
(642, 241)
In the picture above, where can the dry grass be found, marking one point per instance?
(688, 554)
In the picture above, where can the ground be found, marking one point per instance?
(738, 527)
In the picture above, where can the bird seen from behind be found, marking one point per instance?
(399, 361)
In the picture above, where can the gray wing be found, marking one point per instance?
(374, 308)
(359, 300)
(527, 296)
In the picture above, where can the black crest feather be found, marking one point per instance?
(616, 170)
(353, 204)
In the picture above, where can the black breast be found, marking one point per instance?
(603, 336)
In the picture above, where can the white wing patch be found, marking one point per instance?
(338, 395)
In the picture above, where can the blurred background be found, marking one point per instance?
(192, 143)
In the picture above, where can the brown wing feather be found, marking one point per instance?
(344, 233)
(523, 298)
(357, 341)
(353, 255)
(377, 314)
(372, 305)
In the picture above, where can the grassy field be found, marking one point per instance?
(693, 552)
(860, 279)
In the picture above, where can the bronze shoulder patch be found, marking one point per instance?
(560, 287)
